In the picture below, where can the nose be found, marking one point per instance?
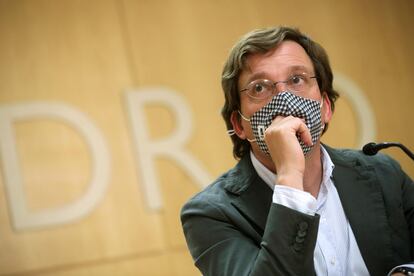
(280, 86)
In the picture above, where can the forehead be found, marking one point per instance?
(277, 63)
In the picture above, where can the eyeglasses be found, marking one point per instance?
(262, 88)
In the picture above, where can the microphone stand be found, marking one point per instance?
(373, 148)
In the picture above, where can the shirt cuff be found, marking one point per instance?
(294, 199)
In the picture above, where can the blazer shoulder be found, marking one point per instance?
(357, 157)
(214, 192)
(218, 195)
(233, 182)
(381, 167)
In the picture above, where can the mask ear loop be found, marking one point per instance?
(244, 118)
(231, 132)
(322, 125)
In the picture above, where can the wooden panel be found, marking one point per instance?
(71, 52)
(87, 53)
(173, 263)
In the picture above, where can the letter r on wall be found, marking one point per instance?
(171, 147)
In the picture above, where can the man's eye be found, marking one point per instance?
(259, 88)
(296, 79)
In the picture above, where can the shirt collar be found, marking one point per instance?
(327, 165)
(267, 175)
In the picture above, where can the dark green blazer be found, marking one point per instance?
(233, 228)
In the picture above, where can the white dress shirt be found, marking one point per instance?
(336, 250)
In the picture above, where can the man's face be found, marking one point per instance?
(277, 65)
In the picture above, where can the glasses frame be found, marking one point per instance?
(248, 86)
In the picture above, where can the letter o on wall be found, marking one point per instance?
(366, 124)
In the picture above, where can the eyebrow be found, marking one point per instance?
(300, 68)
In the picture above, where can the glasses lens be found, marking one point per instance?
(298, 83)
(260, 89)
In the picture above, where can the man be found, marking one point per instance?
(292, 206)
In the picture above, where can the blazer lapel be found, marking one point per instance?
(364, 207)
(253, 196)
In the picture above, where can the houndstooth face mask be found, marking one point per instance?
(287, 104)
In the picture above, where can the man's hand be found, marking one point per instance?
(287, 155)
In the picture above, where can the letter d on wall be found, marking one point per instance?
(22, 217)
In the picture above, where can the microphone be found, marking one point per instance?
(372, 148)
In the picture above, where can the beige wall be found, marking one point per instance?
(85, 55)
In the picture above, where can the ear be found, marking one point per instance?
(326, 112)
(237, 125)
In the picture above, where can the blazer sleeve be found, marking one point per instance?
(399, 198)
(408, 206)
(219, 242)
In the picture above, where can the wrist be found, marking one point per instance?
(294, 180)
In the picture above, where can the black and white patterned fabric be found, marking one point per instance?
(287, 104)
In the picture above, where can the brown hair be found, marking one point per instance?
(262, 41)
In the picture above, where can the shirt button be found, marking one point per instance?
(333, 261)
